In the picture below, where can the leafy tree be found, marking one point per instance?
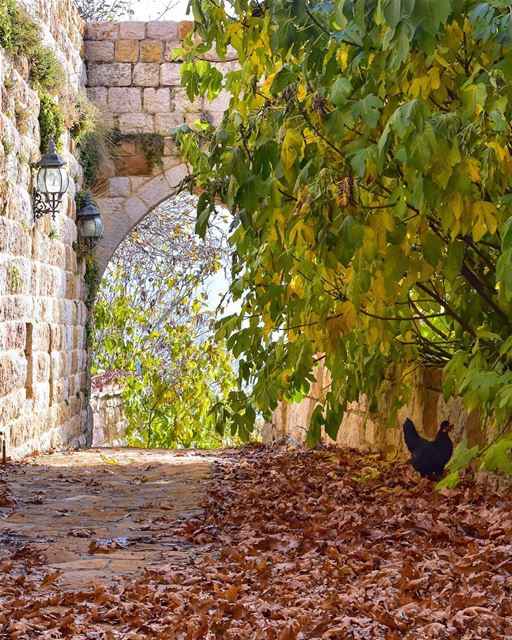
(366, 161)
(152, 321)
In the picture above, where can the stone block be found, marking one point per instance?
(11, 406)
(162, 30)
(184, 28)
(39, 336)
(124, 100)
(132, 30)
(13, 372)
(119, 187)
(117, 74)
(151, 51)
(102, 30)
(214, 117)
(164, 122)
(40, 394)
(175, 175)
(16, 308)
(146, 74)
(99, 51)
(12, 336)
(135, 165)
(126, 51)
(170, 74)
(220, 103)
(99, 96)
(170, 148)
(135, 209)
(136, 123)
(157, 100)
(192, 117)
(154, 192)
(169, 51)
(182, 102)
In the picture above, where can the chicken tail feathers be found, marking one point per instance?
(411, 437)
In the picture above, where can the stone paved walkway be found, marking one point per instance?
(101, 514)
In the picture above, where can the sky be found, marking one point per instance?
(151, 9)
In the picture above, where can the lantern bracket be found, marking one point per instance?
(45, 203)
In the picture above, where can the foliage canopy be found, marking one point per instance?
(366, 160)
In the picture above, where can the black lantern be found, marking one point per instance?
(89, 222)
(52, 183)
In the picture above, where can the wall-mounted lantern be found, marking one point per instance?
(89, 222)
(52, 183)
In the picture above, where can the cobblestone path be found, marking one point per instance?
(103, 514)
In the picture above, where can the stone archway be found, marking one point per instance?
(129, 200)
(135, 82)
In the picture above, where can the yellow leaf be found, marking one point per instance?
(457, 206)
(483, 219)
(291, 148)
(301, 92)
(503, 156)
(473, 167)
(109, 460)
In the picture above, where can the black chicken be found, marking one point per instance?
(429, 457)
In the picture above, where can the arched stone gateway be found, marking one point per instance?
(134, 81)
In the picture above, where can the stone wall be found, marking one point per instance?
(370, 432)
(43, 351)
(109, 419)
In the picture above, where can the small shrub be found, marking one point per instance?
(84, 117)
(51, 122)
(15, 279)
(91, 278)
(46, 71)
(19, 33)
(22, 118)
(97, 158)
(152, 145)
(8, 147)
(153, 149)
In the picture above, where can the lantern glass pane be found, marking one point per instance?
(99, 227)
(64, 180)
(41, 184)
(88, 227)
(53, 180)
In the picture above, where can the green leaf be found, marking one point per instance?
(497, 457)
(314, 434)
(431, 14)
(453, 263)
(449, 482)
(284, 78)
(340, 91)
(462, 455)
(433, 249)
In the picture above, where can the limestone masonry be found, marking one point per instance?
(43, 350)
